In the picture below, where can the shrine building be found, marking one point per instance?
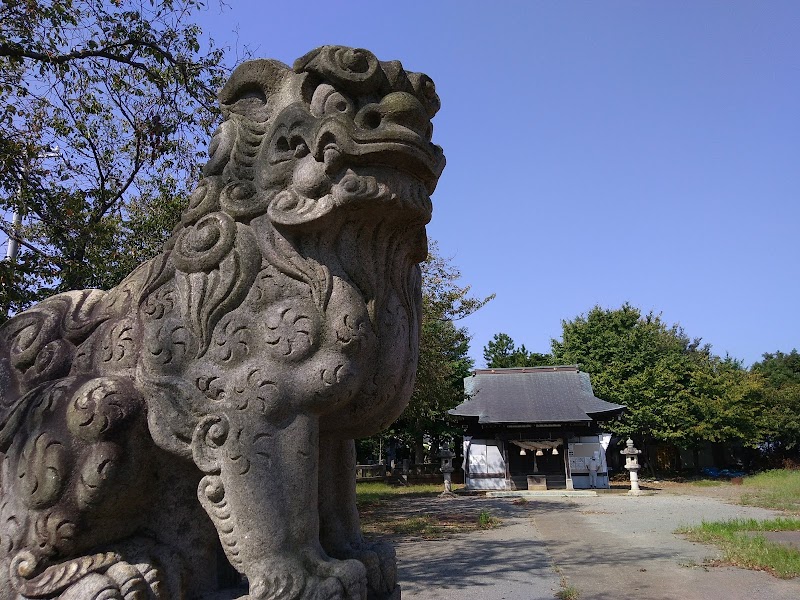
(533, 428)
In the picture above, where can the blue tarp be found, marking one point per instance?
(714, 472)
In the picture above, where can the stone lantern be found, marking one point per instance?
(446, 456)
(632, 464)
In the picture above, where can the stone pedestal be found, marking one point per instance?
(537, 482)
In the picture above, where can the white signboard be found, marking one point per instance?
(485, 465)
(579, 455)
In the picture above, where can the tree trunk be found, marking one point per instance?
(419, 450)
(649, 459)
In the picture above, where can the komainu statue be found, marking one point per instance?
(201, 415)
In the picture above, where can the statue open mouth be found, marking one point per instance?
(393, 146)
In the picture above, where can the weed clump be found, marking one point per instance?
(569, 592)
(486, 520)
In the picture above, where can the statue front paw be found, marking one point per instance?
(317, 579)
(382, 577)
(380, 561)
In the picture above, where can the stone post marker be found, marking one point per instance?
(189, 433)
(632, 464)
(446, 457)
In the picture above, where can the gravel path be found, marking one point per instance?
(609, 547)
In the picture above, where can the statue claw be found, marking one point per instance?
(321, 580)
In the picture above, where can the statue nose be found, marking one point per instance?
(397, 108)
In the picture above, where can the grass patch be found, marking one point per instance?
(429, 526)
(372, 492)
(380, 515)
(567, 591)
(426, 526)
(744, 545)
(778, 489)
(415, 526)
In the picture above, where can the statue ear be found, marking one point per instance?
(252, 85)
(254, 93)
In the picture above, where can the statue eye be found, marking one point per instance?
(327, 101)
(281, 150)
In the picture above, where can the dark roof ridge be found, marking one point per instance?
(544, 368)
(545, 394)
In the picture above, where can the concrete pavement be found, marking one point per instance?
(498, 564)
(609, 547)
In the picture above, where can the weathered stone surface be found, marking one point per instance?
(201, 414)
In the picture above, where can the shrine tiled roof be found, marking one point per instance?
(556, 394)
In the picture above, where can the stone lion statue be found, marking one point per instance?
(201, 415)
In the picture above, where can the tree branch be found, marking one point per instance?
(111, 52)
(15, 51)
(12, 234)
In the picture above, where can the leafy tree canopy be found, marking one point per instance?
(126, 90)
(779, 368)
(673, 387)
(780, 420)
(501, 353)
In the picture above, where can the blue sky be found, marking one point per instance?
(598, 153)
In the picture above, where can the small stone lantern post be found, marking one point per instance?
(446, 457)
(632, 464)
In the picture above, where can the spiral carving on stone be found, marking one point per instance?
(99, 465)
(354, 187)
(288, 207)
(159, 303)
(425, 88)
(209, 436)
(211, 293)
(204, 200)
(42, 470)
(219, 151)
(30, 333)
(240, 199)
(354, 69)
(100, 406)
(202, 246)
(56, 578)
(234, 340)
(292, 329)
(52, 361)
